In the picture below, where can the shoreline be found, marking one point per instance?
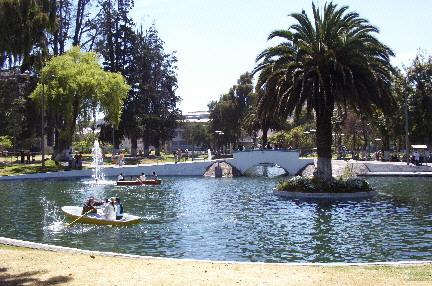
(21, 265)
(62, 249)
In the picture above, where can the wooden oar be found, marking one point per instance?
(142, 183)
(86, 213)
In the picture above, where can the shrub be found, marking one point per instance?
(316, 185)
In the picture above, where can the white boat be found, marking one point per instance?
(74, 212)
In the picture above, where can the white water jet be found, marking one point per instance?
(98, 174)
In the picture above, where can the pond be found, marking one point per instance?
(230, 219)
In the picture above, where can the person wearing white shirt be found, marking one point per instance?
(110, 210)
(120, 177)
(142, 177)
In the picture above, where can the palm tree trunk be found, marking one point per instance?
(323, 143)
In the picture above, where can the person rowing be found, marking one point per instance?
(90, 205)
(142, 178)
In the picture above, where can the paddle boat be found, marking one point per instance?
(74, 212)
(149, 182)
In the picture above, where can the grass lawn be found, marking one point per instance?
(10, 167)
(17, 169)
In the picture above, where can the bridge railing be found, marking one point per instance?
(263, 149)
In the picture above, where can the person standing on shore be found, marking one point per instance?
(416, 158)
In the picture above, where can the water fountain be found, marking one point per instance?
(97, 164)
(209, 156)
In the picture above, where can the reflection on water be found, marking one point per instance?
(230, 219)
(265, 170)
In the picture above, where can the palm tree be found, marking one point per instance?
(331, 59)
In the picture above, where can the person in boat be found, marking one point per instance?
(119, 209)
(110, 209)
(120, 177)
(154, 175)
(142, 177)
(90, 205)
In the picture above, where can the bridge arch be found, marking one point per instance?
(290, 160)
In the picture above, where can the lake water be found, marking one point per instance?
(230, 219)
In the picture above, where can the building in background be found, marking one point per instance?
(179, 142)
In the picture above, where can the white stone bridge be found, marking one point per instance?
(242, 161)
(287, 159)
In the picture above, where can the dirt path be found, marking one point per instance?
(23, 266)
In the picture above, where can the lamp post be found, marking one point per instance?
(406, 126)
(304, 148)
(43, 125)
(379, 145)
(218, 132)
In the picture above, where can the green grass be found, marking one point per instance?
(17, 169)
(9, 167)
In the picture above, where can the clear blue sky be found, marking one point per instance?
(217, 41)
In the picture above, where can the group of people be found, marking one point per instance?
(142, 177)
(112, 208)
(77, 161)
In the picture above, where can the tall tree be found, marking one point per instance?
(155, 83)
(23, 33)
(18, 116)
(332, 58)
(62, 10)
(419, 80)
(73, 85)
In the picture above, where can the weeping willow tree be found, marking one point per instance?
(74, 85)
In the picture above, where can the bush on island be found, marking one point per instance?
(315, 185)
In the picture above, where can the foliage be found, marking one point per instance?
(333, 58)
(23, 27)
(154, 102)
(5, 142)
(17, 111)
(74, 84)
(317, 185)
(197, 134)
(228, 113)
(419, 79)
(84, 142)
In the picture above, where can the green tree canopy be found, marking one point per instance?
(23, 27)
(74, 85)
(333, 58)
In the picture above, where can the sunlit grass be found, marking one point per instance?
(16, 168)
(11, 167)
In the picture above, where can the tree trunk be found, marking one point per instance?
(134, 144)
(157, 149)
(324, 142)
(78, 22)
(57, 30)
(63, 150)
(146, 145)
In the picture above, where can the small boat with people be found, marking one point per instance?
(140, 181)
(150, 182)
(75, 213)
